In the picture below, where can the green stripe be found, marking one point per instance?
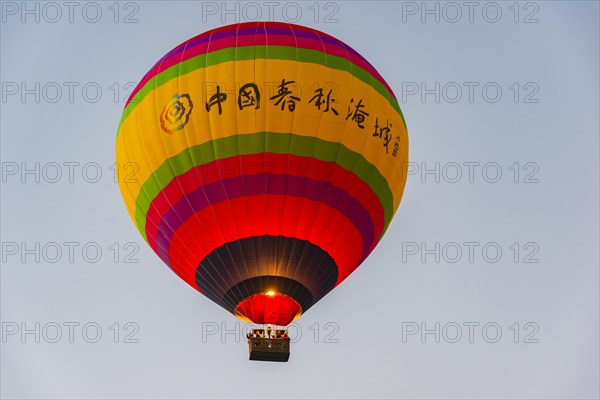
(259, 52)
(304, 146)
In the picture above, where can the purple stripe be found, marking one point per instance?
(268, 30)
(276, 184)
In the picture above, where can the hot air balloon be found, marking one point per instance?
(264, 163)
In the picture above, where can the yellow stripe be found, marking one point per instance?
(143, 142)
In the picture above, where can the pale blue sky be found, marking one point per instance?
(551, 131)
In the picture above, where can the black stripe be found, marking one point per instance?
(244, 267)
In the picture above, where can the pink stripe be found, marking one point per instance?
(176, 56)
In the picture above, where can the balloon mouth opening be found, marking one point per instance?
(269, 307)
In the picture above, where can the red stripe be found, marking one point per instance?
(248, 165)
(265, 215)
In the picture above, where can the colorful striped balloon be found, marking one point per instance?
(262, 162)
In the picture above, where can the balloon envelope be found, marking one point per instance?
(262, 162)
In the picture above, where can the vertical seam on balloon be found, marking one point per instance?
(220, 175)
(245, 184)
(319, 240)
(281, 219)
(236, 273)
(287, 266)
(344, 187)
(355, 164)
(266, 146)
(301, 212)
(322, 277)
(236, 84)
(283, 208)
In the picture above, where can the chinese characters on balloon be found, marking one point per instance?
(286, 98)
